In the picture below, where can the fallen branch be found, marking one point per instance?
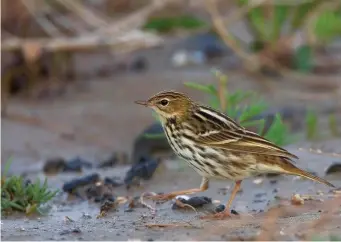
(132, 40)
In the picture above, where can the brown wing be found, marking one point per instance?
(242, 140)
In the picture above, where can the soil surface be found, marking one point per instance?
(98, 117)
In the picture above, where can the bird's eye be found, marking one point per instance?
(164, 102)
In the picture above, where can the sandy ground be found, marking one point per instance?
(253, 202)
(94, 121)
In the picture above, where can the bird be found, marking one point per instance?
(217, 147)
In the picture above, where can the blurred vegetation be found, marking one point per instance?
(26, 197)
(168, 24)
(269, 24)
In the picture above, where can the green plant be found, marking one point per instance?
(311, 121)
(167, 24)
(16, 195)
(333, 127)
(270, 22)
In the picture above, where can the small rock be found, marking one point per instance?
(94, 190)
(54, 165)
(258, 195)
(194, 202)
(258, 201)
(72, 231)
(58, 164)
(139, 64)
(275, 190)
(273, 182)
(234, 212)
(258, 181)
(144, 169)
(112, 182)
(219, 208)
(106, 207)
(334, 168)
(76, 164)
(108, 197)
(296, 199)
(79, 182)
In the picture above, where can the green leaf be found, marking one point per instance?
(278, 132)
(311, 125)
(328, 25)
(303, 59)
(281, 14)
(301, 11)
(253, 110)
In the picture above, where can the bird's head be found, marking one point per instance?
(169, 104)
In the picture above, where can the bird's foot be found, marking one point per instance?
(218, 216)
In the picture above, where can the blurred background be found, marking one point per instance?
(71, 71)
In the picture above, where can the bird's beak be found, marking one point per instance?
(144, 103)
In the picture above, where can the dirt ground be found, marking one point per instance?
(93, 122)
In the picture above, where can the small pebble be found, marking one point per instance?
(258, 181)
(258, 195)
(258, 201)
(296, 199)
(234, 212)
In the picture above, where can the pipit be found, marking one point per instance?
(218, 147)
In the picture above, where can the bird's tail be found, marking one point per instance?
(298, 172)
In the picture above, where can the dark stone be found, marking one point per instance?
(72, 231)
(258, 201)
(234, 212)
(59, 164)
(112, 182)
(275, 190)
(93, 191)
(273, 182)
(258, 195)
(195, 202)
(54, 165)
(108, 197)
(144, 169)
(219, 208)
(76, 164)
(139, 64)
(334, 168)
(79, 182)
(107, 206)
